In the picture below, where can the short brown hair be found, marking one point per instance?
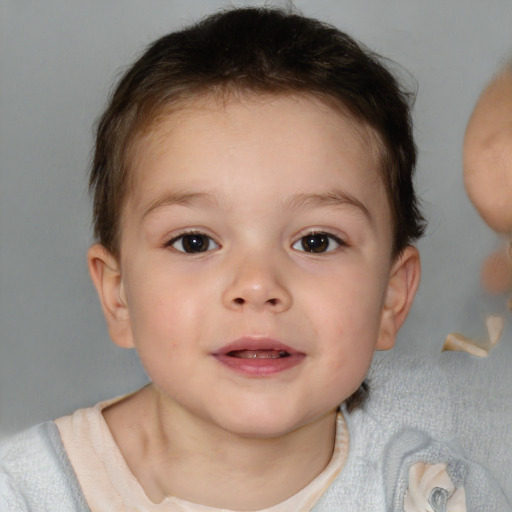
(267, 51)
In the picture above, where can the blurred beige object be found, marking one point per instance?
(496, 274)
(494, 324)
(488, 154)
(431, 489)
(460, 343)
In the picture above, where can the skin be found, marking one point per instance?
(254, 177)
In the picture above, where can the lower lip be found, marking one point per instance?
(260, 367)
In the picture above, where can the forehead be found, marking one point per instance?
(303, 118)
(223, 144)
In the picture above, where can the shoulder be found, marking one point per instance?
(35, 473)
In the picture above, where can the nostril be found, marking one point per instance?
(240, 301)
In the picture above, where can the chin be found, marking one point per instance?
(262, 424)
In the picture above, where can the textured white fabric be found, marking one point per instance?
(35, 473)
(420, 412)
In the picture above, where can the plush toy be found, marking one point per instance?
(488, 181)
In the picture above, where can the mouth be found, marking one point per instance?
(259, 354)
(258, 357)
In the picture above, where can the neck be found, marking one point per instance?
(172, 453)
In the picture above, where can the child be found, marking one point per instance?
(254, 212)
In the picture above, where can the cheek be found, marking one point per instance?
(354, 306)
(167, 307)
(344, 375)
(347, 321)
(154, 310)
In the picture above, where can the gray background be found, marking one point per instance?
(58, 60)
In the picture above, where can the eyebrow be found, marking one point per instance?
(181, 198)
(334, 198)
(296, 202)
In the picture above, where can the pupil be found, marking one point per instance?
(195, 243)
(315, 243)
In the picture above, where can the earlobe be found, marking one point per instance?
(106, 275)
(402, 286)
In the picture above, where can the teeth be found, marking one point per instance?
(259, 354)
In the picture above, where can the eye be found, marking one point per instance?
(193, 243)
(318, 243)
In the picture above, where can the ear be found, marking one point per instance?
(402, 286)
(106, 275)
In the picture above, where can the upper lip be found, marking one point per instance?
(255, 343)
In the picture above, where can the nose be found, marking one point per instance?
(255, 284)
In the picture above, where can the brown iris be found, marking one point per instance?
(318, 242)
(195, 243)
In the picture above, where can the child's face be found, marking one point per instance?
(255, 277)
